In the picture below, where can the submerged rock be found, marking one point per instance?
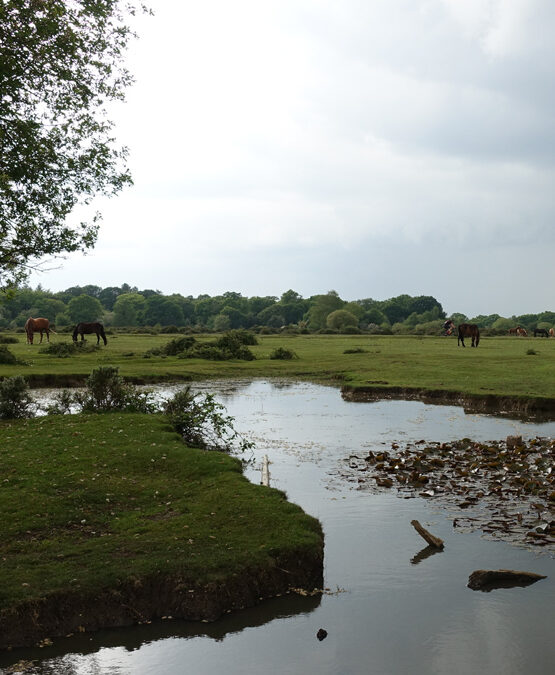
(487, 580)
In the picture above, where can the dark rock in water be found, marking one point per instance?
(322, 634)
(487, 580)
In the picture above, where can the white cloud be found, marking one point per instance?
(313, 130)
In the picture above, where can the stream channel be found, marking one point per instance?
(386, 612)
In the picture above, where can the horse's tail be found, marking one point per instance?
(75, 333)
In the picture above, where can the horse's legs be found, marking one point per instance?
(40, 337)
(97, 339)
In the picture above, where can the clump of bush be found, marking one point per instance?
(7, 358)
(355, 350)
(105, 391)
(231, 345)
(283, 354)
(531, 352)
(172, 348)
(202, 422)
(8, 340)
(15, 400)
(64, 350)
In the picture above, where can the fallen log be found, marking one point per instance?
(436, 542)
(487, 580)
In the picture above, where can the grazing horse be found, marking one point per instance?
(551, 332)
(522, 332)
(39, 325)
(83, 329)
(470, 330)
(514, 331)
(541, 332)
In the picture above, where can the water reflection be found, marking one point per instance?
(400, 611)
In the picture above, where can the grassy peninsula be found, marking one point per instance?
(109, 519)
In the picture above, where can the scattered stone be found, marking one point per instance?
(322, 634)
(487, 580)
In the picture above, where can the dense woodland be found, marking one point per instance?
(127, 307)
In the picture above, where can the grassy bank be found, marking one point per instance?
(110, 519)
(500, 366)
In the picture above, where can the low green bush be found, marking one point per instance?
(9, 359)
(283, 354)
(8, 340)
(64, 350)
(15, 400)
(202, 422)
(355, 350)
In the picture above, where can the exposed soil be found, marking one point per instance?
(515, 406)
(148, 599)
(506, 489)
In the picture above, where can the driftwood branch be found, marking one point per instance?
(487, 580)
(436, 542)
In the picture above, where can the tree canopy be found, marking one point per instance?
(61, 62)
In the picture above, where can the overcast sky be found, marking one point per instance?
(374, 147)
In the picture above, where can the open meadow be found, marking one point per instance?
(503, 366)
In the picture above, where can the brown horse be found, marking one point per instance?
(470, 330)
(89, 328)
(514, 331)
(522, 332)
(551, 332)
(39, 325)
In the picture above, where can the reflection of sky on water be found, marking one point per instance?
(393, 616)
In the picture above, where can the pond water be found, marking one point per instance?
(387, 612)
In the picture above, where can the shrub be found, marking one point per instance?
(63, 350)
(8, 340)
(355, 350)
(283, 354)
(6, 357)
(107, 391)
(245, 337)
(202, 423)
(531, 352)
(15, 399)
(9, 359)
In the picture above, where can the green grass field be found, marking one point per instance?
(499, 365)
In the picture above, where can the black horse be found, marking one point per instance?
(83, 329)
(470, 330)
(541, 332)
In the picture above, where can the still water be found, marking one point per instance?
(384, 614)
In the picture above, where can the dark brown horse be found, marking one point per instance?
(470, 330)
(541, 332)
(39, 325)
(83, 329)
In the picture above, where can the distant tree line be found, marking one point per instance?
(127, 307)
